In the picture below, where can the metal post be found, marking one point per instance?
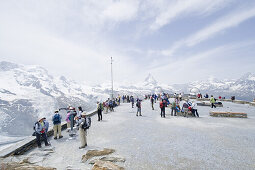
(112, 78)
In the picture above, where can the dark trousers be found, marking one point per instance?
(152, 106)
(194, 112)
(173, 109)
(99, 112)
(43, 137)
(213, 105)
(163, 114)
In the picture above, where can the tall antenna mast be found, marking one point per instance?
(112, 78)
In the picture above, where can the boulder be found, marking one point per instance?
(106, 165)
(22, 166)
(110, 159)
(93, 153)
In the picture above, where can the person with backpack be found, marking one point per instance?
(139, 107)
(99, 110)
(56, 119)
(40, 133)
(212, 101)
(83, 126)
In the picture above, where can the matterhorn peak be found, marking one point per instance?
(150, 80)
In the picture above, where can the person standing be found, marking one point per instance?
(139, 108)
(132, 101)
(212, 101)
(162, 107)
(79, 112)
(46, 125)
(40, 133)
(173, 108)
(83, 130)
(152, 103)
(99, 111)
(56, 119)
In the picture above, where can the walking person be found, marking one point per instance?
(139, 108)
(40, 133)
(152, 103)
(56, 119)
(212, 101)
(173, 108)
(99, 111)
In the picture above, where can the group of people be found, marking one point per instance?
(73, 118)
(187, 107)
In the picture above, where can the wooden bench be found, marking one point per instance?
(228, 114)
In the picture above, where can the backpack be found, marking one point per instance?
(87, 123)
(161, 105)
(56, 119)
(101, 107)
(34, 133)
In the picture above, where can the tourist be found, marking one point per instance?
(212, 101)
(173, 108)
(56, 119)
(139, 107)
(83, 130)
(99, 111)
(194, 109)
(40, 133)
(162, 106)
(152, 102)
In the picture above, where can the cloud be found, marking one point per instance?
(213, 62)
(180, 8)
(231, 20)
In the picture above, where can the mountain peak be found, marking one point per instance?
(150, 80)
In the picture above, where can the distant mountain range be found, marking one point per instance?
(30, 92)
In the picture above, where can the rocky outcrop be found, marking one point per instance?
(23, 165)
(110, 159)
(106, 165)
(93, 153)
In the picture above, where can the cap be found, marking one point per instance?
(56, 111)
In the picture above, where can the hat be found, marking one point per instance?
(40, 119)
(56, 111)
(83, 113)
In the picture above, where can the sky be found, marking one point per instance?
(177, 41)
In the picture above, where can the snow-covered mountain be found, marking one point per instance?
(243, 88)
(30, 92)
(148, 86)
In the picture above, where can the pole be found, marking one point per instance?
(112, 78)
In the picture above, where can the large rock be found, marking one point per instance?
(24, 165)
(106, 165)
(93, 153)
(110, 159)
